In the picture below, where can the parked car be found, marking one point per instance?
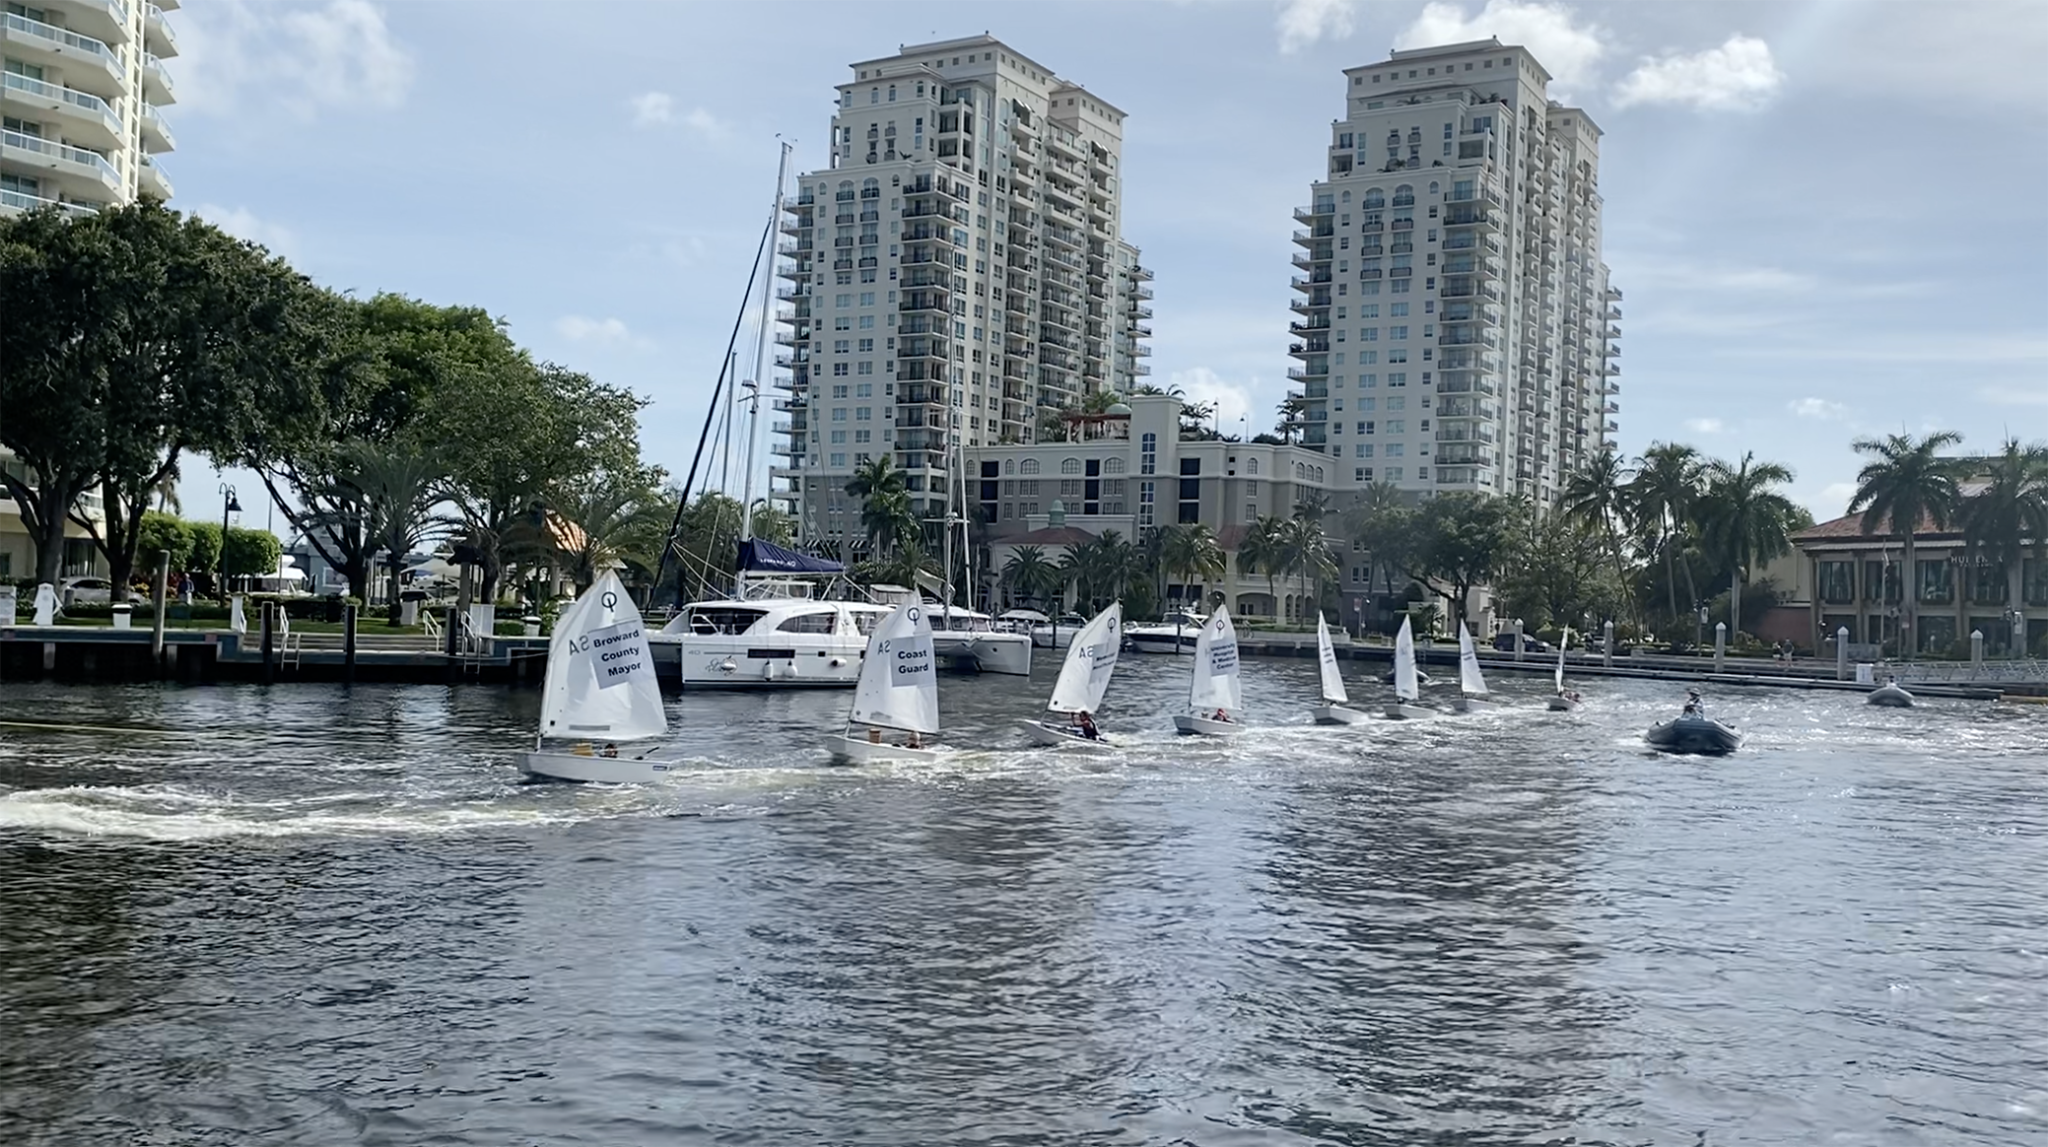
(1505, 642)
(91, 591)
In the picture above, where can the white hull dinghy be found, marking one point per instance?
(1472, 696)
(601, 695)
(1406, 689)
(1332, 710)
(1213, 690)
(1564, 700)
(898, 692)
(1083, 682)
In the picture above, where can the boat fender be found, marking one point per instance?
(837, 662)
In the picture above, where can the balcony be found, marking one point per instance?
(84, 60)
(1314, 304)
(19, 201)
(1304, 374)
(152, 179)
(62, 159)
(1310, 261)
(162, 41)
(156, 83)
(88, 118)
(1309, 215)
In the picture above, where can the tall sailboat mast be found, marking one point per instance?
(754, 386)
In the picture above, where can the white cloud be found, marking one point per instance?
(1819, 408)
(1837, 494)
(1705, 425)
(1568, 50)
(243, 224)
(1303, 22)
(652, 107)
(1737, 76)
(705, 124)
(577, 328)
(2014, 396)
(1204, 385)
(237, 55)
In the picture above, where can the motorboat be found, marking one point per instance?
(1693, 732)
(1332, 710)
(1406, 688)
(600, 712)
(897, 695)
(1472, 694)
(972, 642)
(1890, 695)
(1056, 633)
(1214, 694)
(1177, 632)
(1083, 681)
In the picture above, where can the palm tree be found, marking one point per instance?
(877, 475)
(399, 486)
(889, 520)
(2000, 521)
(1595, 496)
(1906, 483)
(1305, 553)
(610, 526)
(1746, 520)
(1293, 410)
(1030, 573)
(1260, 553)
(1663, 494)
(1192, 551)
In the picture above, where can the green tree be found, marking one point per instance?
(1463, 541)
(1662, 498)
(611, 527)
(1293, 415)
(1032, 575)
(159, 532)
(1746, 520)
(2008, 519)
(1560, 576)
(1906, 483)
(1261, 553)
(204, 555)
(1596, 495)
(1190, 553)
(250, 553)
(1305, 553)
(772, 525)
(399, 485)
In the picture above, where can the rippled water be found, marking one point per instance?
(311, 916)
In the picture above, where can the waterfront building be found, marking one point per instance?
(1851, 579)
(1129, 469)
(1454, 326)
(80, 98)
(955, 272)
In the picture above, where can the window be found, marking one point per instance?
(863, 390)
(839, 414)
(839, 390)
(839, 438)
(838, 460)
(1397, 426)
(842, 346)
(1148, 454)
(1070, 466)
(867, 366)
(1251, 465)
(1113, 466)
(1837, 582)
(839, 369)
(1364, 450)
(1145, 496)
(1030, 466)
(864, 414)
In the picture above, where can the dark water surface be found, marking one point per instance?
(313, 916)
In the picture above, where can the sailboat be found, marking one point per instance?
(898, 690)
(1564, 700)
(1213, 692)
(1406, 689)
(1332, 710)
(1084, 678)
(1471, 682)
(601, 697)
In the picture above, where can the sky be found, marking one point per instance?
(1827, 217)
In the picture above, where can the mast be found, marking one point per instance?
(752, 387)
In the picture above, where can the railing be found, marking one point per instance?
(151, 63)
(85, 100)
(64, 151)
(21, 201)
(40, 30)
(159, 24)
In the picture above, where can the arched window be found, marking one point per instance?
(1347, 196)
(1113, 466)
(892, 93)
(1404, 196)
(1435, 188)
(1300, 471)
(1375, 198)
(1070, 466)
(1319, 474)
(1251, 465)
(1030, 466)
(1009, 465)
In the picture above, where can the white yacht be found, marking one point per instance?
(1177, 632)
(1048, 634)
(964, 639)
(775, 634)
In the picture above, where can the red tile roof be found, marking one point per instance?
(1050, 536)
(1850, 527)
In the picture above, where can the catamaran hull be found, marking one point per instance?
(1400, 711)
(984, 652)
(1701, 736)
(1562, 705)
(1337, 715)
(626, 769)
(1062, 737)
(721, 662)
(1890, 697)
(1205, 727)
(1044, 638)
(861, 751)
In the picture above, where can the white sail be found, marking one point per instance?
(600, 683)
(1215, 670)
(1091, 658)
(899, 681)
(1470, 680)
(1333, 681)
(1563, 640)
(238, 620)
(1405, 685)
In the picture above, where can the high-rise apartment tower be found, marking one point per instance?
(80, 85)
(955, 273)
(1454, 325)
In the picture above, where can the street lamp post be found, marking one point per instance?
(228, 505)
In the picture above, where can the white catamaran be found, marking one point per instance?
(1084, 678)
(1332, 710)
(1471, 682)
(601, 697)
(1406, 690)
(1213, 691)
(898, 691)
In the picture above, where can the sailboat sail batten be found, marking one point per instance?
(1091, 659)
(1214, 683)
(1326, 654)
(600, 674)
(1470, 680)
(1405, 685)
(899, 684)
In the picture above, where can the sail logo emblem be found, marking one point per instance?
(610, 600)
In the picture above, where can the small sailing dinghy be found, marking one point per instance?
(1890, 695)
(1332, 710)
(1471, 682)
(1564, 700)
(1406, 690)
(601, 705)
(1213, 692)
(898, 691)
(1084, 679)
